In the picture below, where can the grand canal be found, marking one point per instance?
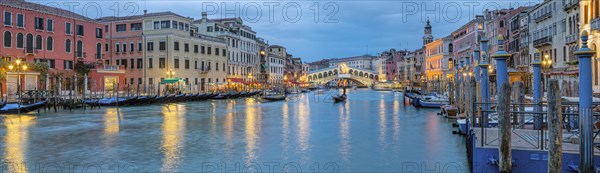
(371, 132)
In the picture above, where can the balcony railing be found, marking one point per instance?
(30, 51)
(571, 38)
(571, 4)
(111, 68)
(543, 16)
(542, 41)
(595, 24)
(205, 70)
(524, 44)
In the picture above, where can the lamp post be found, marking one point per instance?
(546, 66)
(18, 68)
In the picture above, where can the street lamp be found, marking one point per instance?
(16, 67)
(170, 73)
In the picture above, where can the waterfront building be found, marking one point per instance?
(174, 52)
(437, 54)
(464, 43)
(243, 46)
(58, 38)
(318, 65)
(275, 66)
(548, 29)
(361, 62)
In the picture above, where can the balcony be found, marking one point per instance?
(571, 5)
(30, 51)
(523, 45)
(542, 41)
(203, 71)
(543, 16)
(595, 24)
(572, 38)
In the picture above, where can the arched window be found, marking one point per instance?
(29, 43)
(38, 42)
(19, 40)
(49, 43)
(7, 39)
(98, 51)
(450, 47)
(79, 48)
(68, 45)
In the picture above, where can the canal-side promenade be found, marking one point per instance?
(370, 132)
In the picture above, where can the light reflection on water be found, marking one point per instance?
(370, 132)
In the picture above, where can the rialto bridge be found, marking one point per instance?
(360, 76)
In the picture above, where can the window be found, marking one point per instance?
(131, 81)
(139, 63)
(217, 51)
(156, 25)
(150, 81)
(19, 40)
(217, 66)
(131, 48)
(223, 66)
(131, 65)
(20, 20)
(98, 51)
(150, 46)
(51, 63)
(29, 43)
(224, 52)
(80, 30)
(38, 42)
(39, 23)
(176, 46)
(50, 25)
(7, 18)
(124, 47)
(50, 43)
(176, 63)
(202, 66)
(7, 39)
(136, 26)
(139, 46)
(162, 45)
(121, 27)
(195, 48)
(124, 63)
(98, 32)
(196, 64)
(149, 62)
(186, 47)
(209, 50)
(202, 50)
(68, 28)
(117, 47)
(161, 63)
(209, 29)
(68, 64)
(165, 24)
(187, 64)
(106, 47)
(79, 48)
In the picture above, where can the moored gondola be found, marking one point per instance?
(14, 108)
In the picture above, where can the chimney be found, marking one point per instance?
(204, 15)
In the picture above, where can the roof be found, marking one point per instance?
(134, 17)
(275, 46)
(21, 4)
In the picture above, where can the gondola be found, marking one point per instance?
(113, 101)
(221, 96)
(274, 96)
(14, 108)
(340, 98)
(178, 98)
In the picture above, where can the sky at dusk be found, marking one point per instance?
(315, 30)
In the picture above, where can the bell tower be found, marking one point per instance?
(427, 38)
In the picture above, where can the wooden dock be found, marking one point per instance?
(527, 139)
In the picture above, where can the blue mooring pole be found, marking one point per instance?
(501, 56)
(477, 59)
(586, 144)
(485, 85)
(537, 86)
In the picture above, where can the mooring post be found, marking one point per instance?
(554, 127)
(517, 95)
(485, 88)
(586, 144)
(504, 124)
(473, 99)
(501, 71)
(537, 88)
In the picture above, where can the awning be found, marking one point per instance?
(170, 80)
(235, 80)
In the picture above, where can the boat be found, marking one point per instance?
(304, 90)
(339, 98)
(273, 96)
(221, 96)
(430, 101)
(113, 101)
(13, 108)
(449, 111)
